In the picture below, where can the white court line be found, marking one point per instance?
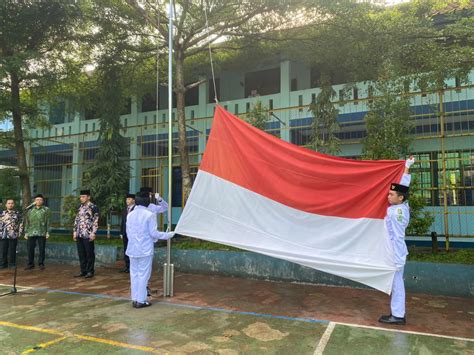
(404, 331)
(331, 323)
(22, 287)
(324, 339)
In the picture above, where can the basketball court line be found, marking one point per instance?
(255, 314)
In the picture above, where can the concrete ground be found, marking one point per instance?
(56, 313)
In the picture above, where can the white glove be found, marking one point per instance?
(409, 162)
(158, 197)
(169, 235)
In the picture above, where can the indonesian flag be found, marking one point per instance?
(257, 192)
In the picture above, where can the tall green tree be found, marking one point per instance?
(325, 125)
(109, 174)
(420, 219)
(389, 136)
(35, 36)
(9, 184)
(388, 123)
(200, 24)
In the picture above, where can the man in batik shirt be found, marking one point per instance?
(11, 227)
(85, 228)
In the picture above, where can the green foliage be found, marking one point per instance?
(420, 219)
(36, 37)
(325, 125)
(71, 205)
(459, 256)
(9, 185)
(258, 116)
(192, 243)
(108, 176)
(388, 124)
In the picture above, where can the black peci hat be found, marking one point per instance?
(85, 192)
(39, 195)
(131, 196)
(142, 199)
(146, 189)
(399, 188)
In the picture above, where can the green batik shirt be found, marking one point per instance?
(37, 221)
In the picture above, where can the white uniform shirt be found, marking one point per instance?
(161, 207)
(396, 221)
(142, 232)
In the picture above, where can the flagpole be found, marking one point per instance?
(168, 268)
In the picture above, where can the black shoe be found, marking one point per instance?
(81, 274)
(148, 292)
(125, 269)
(29, 267)
(142, 305)
(41, 267)
(392, 320)
(89, 275)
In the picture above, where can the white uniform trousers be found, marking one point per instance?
(140, 272)
(397, 304)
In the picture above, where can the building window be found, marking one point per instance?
(57, 112)
(294, 84)
(151, 177)
(264, 82)
(457, 81)
(191, 97)
(91, 113)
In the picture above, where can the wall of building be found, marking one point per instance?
(60, 154)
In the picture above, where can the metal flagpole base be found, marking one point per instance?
(168, 280)
(14, 290)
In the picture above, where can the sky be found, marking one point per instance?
(4, 126)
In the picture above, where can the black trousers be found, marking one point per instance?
(85, 250)
(31, 245)
(125, 256)
(8, 252)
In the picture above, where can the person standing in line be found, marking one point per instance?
(11, 227)
(86, 224)
(37, 221)
(396, 222)
(142, 233)
(130, 201)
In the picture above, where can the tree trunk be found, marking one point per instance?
(19, 141)
(180, 105)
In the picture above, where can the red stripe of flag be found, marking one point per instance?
(294, 176)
